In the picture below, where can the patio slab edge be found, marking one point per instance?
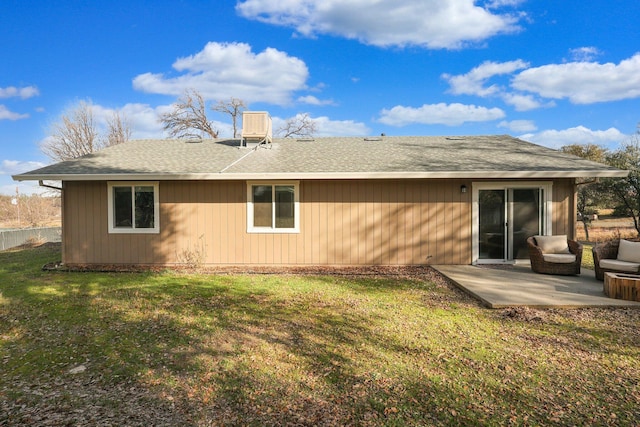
(497, 288)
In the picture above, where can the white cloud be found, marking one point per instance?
(576, 135)
(312, 100)
(6, 114)
(519, 125)
(583, 82)
(22, 92)
(495, 4)
(13, 167)
(143, 119)
(225, 70)
(443, 114)
(584, 54)
(473, 82)
(432, 24)
(523, 102)
(327, 127)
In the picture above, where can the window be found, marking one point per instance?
(133, 207)
(273, 207)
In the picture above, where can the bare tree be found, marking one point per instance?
(188, 118)
(299, 125)
(74, 135)
(118, 130)
(77, 134)
(233, 107)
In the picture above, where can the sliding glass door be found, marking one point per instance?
(505, 217)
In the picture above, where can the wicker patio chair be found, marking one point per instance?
(539, 265)
(607, 250)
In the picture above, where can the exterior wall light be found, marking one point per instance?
(463, 188)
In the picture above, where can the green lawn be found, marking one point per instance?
(185, 349)
(587, 256)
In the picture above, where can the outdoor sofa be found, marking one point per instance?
(619, 256)
(554, 255)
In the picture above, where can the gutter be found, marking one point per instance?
(325, 175)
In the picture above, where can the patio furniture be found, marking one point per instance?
(622, 286)
(621, 256)
(554, 255)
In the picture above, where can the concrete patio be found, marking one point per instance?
(517, 285)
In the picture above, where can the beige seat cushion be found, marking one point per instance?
(553, 244)
(614, 264)
(629, 251)
(559, 258)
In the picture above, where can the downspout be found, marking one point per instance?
(42, 184)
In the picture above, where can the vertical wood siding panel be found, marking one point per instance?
(431, 222)
(367, 219)
(414, 229)
(361, 224)
(78, 240)
(465, 226)
(402, 225)
(336, 256)
(300, 237)
(332, 202)
(315, 223)
(167, 223)
(440, 224)
(81, 219)
(562, 207)
(385, 223)
(95, 235)
(405, 225)
(323, 222)
(427, 221)
(238, 194)
(200, 239)
(419, 230)
(304, 245)
(395, 220)
(220, 206)
(352, 227)
(70, 205)
(379, 224)
(449, 219)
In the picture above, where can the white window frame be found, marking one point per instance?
(296, 208)
(156, 207)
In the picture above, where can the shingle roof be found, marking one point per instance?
(340, 158)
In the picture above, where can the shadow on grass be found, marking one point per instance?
(255, 350)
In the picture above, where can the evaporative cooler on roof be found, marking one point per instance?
(256, 127)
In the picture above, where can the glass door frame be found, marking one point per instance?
(547, 205)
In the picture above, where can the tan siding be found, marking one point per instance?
(342, 223)
(564, 207)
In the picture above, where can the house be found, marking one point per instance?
(316, 201)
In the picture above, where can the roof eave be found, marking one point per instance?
(327, 175)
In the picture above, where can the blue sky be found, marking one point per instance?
(550, 72)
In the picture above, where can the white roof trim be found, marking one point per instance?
(326, 175)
